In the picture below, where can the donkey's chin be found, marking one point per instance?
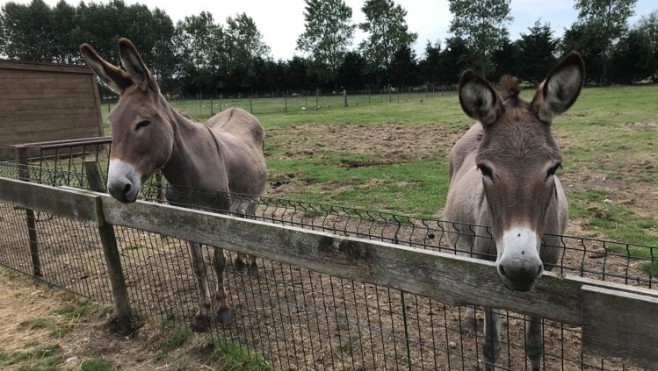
(126, 198)
(519, 285)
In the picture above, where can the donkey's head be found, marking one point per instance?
(142, 136)
(518, 159)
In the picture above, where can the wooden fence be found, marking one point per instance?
(617, 320)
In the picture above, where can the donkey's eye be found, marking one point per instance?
(485, 170)
(550, 172)
(142, 124)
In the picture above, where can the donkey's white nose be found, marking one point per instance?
(519, 264)
(123, 181)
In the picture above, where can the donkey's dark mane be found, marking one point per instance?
(509, 87)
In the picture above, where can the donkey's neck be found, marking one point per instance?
(195, 159)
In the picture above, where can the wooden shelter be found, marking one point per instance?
(46, 102)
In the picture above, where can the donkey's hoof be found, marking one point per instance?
(238, 265)
(201, 323)
(224, 316)
(252, 271)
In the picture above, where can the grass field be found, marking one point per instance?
(390, 152)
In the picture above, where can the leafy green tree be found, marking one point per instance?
(604, 23)
(328, 32)
(404, 68)
(352, 73)
(506, 59)
(202, 53)
(648, 27)
(430, 67)
(483, 25)
(635, 56)
(456, 57)
(387, 33)
(536, 52)
(244, 44)
(28, 31)
(580, 38)
(632, 60)
(64, 48)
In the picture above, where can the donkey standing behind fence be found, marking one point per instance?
(502, 174)
(224, 155)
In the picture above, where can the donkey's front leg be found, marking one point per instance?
(534, 342)
(219, 263)
(202, 317)
(247, 209)
(491, 347)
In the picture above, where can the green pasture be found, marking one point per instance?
(609, 141)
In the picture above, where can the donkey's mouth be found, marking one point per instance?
(123, 181)
(520, 282)
(126, 198)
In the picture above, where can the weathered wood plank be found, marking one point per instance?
(80, 206)
(621, 324)
(32, 96)
(75, 116)
(45, 67)
(450, 279)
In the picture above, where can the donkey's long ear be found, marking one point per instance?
(135, 66)
(478, 98)
(560, 89)
(111, 75)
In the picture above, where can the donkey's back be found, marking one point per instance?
(240, 124)
(240, 139)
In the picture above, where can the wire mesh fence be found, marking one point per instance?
(299, 318)
(298, 102)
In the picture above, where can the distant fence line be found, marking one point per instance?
(290, 101)
(341, 287)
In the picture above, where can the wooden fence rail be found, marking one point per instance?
(616, 320)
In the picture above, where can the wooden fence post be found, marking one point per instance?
(24, 175)
(117, 280)
(111, 252)
(344, 97)
(94, 176)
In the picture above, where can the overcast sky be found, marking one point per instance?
(282, 21)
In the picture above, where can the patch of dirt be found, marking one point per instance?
(24, 301)
(640, 125)
(392, 143)
(639, 197)
(382, 144)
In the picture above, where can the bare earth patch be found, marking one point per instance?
(394, 143)
(385, 144)
(23, 301)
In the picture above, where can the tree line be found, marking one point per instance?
(201, 55)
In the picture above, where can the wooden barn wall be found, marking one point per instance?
(40, 102)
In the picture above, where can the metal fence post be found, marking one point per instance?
(24, 175)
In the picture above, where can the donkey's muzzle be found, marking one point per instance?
(520, 278)
(519, 264)
(123, 192)
(123, 182)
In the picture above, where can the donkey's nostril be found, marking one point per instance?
(126, 188)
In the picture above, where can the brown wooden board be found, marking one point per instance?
(45, 102)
